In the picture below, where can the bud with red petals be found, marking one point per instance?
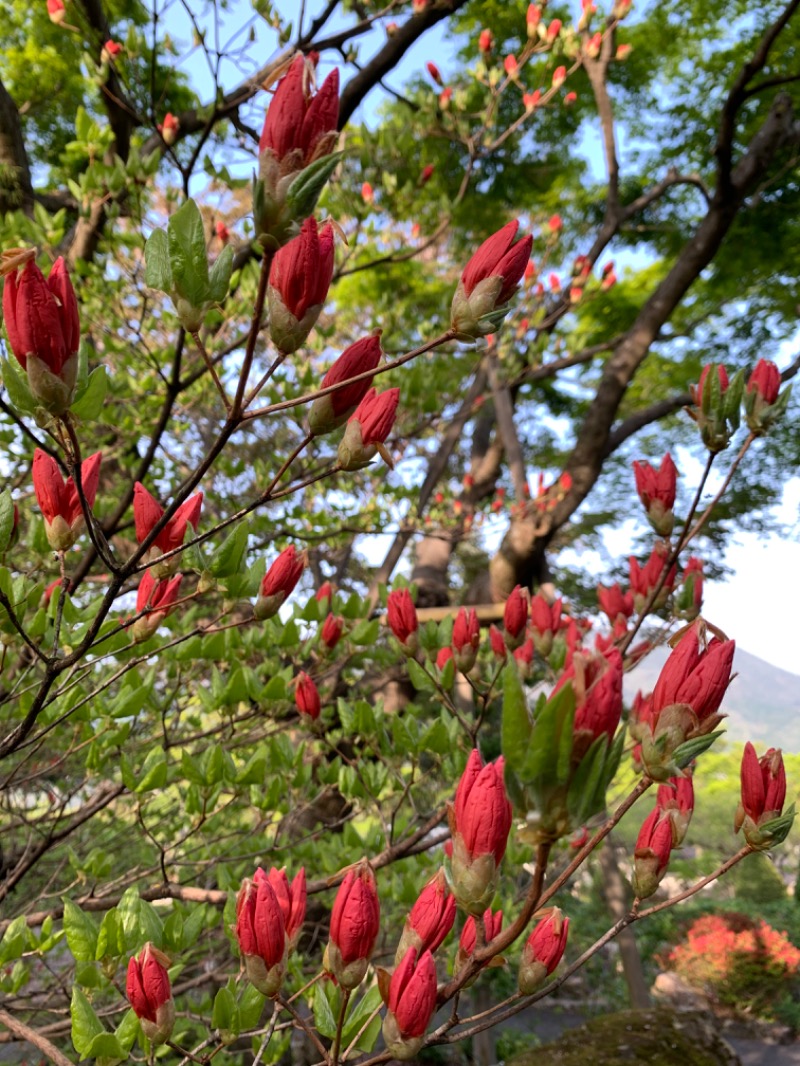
(355, 924)
(430, 920)
(156, 599)
(412, 1002)
(492, 924)
(762, 799)
(614, 602)
(554, 29)
(58, 498)
(333, 410)
(656, 489)
(169, 128)
(56, 11)
(44, 331)
(291, 897)
(147, 512)
(148, 990)
(717, 401)
(762, 400)
(298, 284)
(497, 643)
(676, 798)
(543, 951)
(306, 696)
(480, 821)
(295, 161)
(402, 617)
(533, 18)
(367, 430)
(434, 72)
(485, 41)
(515, 617)
(332, 630)
(559, 77)
(261, 933)
(466, 639)
(689, 599)
(643, 579)
(523, 657)
(488, 282)
(279, 582)
(597, 683)
(651, 855)
(546, 622)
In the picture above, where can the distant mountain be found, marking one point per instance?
(762, 703)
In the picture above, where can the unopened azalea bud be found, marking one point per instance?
(492, 924)
(555, 224)
(110, 51)
(511, 67)
(554, 29)
(621, 8)
(622, 52)
(333, 410)
(485, 41)
(434, 72)
(355, 924)
(523, 657)
(480, 822)
(761, 404)
(391, 29)
(367, 430)
(488, 282)
(546, 622)
(324, 594)
(279, 582)
(651, 855)
(689, 598)
(56, 11)
(169, 128)
(597, 683)
(559, 77)
(402, 617)
(466, 639)
(497, 642)
(445, 96)
(716, 407)
(367, 194)
(148, 990)
(154, 601)
(443, 657)
(418, 7)
(261, 933)
(430, 920)
(531, 101)
(332, 630)
(515, 617)
(223, 233)
(543, 951)
(306, 696)
(147, 513)
(291, 897)
(676, 798)
(533, 18)
(298, 284)
(59, 500)
(570, 99)
(427, 172)
(657, 489)
(614, 602)
(593, 45)
(411, 1002)
(609, 281)
(298, 137)
(762, 797)
(44, 333)
(644, 579)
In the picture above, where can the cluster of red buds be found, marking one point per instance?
(543, 951)
(488, 282)
(662, 830)
(760, 813)
(270, 912)
(59, 499)
(147, 513)
(657, 490)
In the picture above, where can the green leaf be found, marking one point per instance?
(251, 1006)
(108, 942)
(304, 191)
(324, 1020)
(187, 254)
(86, 1026)
(219, 277)
(230, 556)
(89, 403)
(544, 746)
(15, 939)
(690, 749)
(105, 1046)
(6, 519)
(157, 274)
(154, 771)
(127, 1031)
(516, 728)
(222, 1016)
(81, 932)
(17, 387)
(419, 679)
(370, 1002)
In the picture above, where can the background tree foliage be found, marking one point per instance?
(161, 775)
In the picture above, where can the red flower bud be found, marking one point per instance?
(434, 72)
(331, 411)
(597, 683)
(656, 489)
(411, 1003)
(722, 375)
(492, 924)
(554, 29)
(355, 924)
(306, 696)
(533, 18)
(515, 617)
(261, 933)
(58, 498)
(297, 121)
(169, 128)
(695, 676)
(291, 898)
(546, 621)
(111, 49)
(149, 993)
(324, 592)
(156, 599)
(332, 629)
(763, 794)
(56, 11)
(430, 920)
(676, 799)
(614, 602)
(427, 171)
(146, 513)
(44, 332)
(466, 638)
(489, 280)
(368, 427)
(485, 41)
(497, 642)
(224, 233)
(443, 657)
(644, 579)
(298, 284)
(651, 856)
(480, 821)
(765, 380)
(559, 77)
(279, 582)
(402, 617)
(543, 951)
